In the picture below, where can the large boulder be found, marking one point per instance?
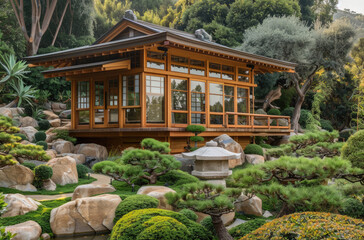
(50, 115)
(65, 113)
(62, 146)
(51, 153)
(29, 132)
(58, 107)
(49, 185)
(92, 150)
(157, 192)
(226, 218)
(64, 170)
(80, 158)
(19, 204)
(28, 121)
(250, 206)
(89, 190)
(85, 215)
(226, 142)
(18, 177)
(254, 159)
(29, 230)
(11, 112)
(55, 122)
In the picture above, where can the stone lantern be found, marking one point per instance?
(212, 163)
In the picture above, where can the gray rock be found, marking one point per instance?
(80, 158)
(129, 14)
(29, 132)
(28, 121)
(187, 164)
(65, 113)
(29, 230)
(267, 214)
(237, 222)
(254, 159)
(226, 142)
(203, 35)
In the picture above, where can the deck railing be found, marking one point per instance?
(261, 121)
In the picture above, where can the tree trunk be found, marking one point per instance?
(220, 229)
(297, 113)
(13, 103)
(152, 179)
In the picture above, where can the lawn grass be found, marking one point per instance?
(69, 188)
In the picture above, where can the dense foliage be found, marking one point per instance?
(82, 171)
(135, 202)
(43, 172)
(247, 227)
(189, 214)
(148, 163)
(353, 150)
(310, 225)
(254, 149)
(157, 224)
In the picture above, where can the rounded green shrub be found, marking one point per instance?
(247, 227)
(138, 224)
(254, 149)
(43, 172)
(305, 118)
(135, 202)
(207, 223)
(353, 149)
(326, 124)
(288, 111)
(353, 208)
(177, 177)
(21, 135)
(82, 170)
(29, 165)
(43, 143)
(40, 136)
(197, 139)
(44, 125)
(274, 111)
(267, 146)
(189, 214)
(195, 128)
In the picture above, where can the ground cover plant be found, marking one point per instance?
(310, 225)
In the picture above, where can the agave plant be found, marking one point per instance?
(22, 94)
(11, 70)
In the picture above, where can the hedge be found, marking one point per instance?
(254, 149)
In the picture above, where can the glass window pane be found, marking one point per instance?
(99, 93)
(198, 102)
(83, 117)
(227, 76)
(243, 71)
(215, 74)
(179, 84)
(242, 105)
(113, 116)
(155, 100)
(227, 68)
(229, 104)
(99, 116)
(179, 100)
(197, 86)
(216, 88)
(216, 103)
(197, 63)
(178, 68)
(180, 118)
(242, 92)
(215, 66)
(131, 90)
(155, 55)
(156, 65)
(178, 59)
(196, 71)
(198, 118)
(113, 92)
(216, 119)
(243, 79)
(229, 90)
(83, 94)
(242, 120)
(132, 115)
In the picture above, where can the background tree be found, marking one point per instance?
(324, 10)
(148, 163)
(209, 199)
(287, 38)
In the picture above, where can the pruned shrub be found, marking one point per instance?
(138, 225)
(326, 124)
(177, 178)
(288, 111)
(29, 165)
(134, 202)
(40, 136)
(264, 145)
(44, 125)
(197, 139)
(82, 170)
(195, 128)
(254, 149)
(155, 145)
(274, 111)
(43, 172)
(21, 135)
(310, 225)
(353, 150)
(43, 144)
(353, 208)
(189, 214)
(247, 227)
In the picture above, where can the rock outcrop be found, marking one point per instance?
(28, 122)
(18, 204)
(18, 177)
(89, 190)
(251, 206)
(254, 159)
(64, 170)
(62, 146)
(80, 158)
(29, 230)
(50, 115)
(157, 192)
(226, 142)
(29, 132)
(85, 215)
(91, 150)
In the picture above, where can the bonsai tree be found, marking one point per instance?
(148, 163)
(11, 151)
(213, 200)
(196, 129)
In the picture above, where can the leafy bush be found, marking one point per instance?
(40, 136)
(43, 144)
(44, 125)
(305, 118)
(288, 111)
(207, 223)
(264, 145)
(254, 149)
(135, 202)
(326, 124)
(353, 150)
(43, 172)
(189, 214)
(29, 165)
(177, 178)
(82, 170)
(195, 128)
(310, 225)
(138, 225)
(155, 145)
(64, 134)
(21, 135)
(353, 208)
(274, 111)
(247, 227)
